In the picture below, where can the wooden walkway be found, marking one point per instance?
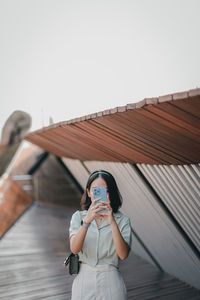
(32, 255)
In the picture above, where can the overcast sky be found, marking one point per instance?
(69, 58)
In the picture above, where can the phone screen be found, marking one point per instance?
(100, 192)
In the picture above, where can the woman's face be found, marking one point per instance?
(98, 182)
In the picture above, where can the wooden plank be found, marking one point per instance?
(153, 145)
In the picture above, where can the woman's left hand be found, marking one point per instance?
(109, 215)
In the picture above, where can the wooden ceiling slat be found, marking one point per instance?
(163, 130)
(187, 147)
(132, 140)
(56, 145)
(144, 131)
(67, 147)
(80, 148)
(88, 144)
(160, 126)
(101, 141)
(178, 116)
(167, 129)
(152, 143)
(44, 141)
(118, 143)
(185, 104)
(181, 127)
(166, 133)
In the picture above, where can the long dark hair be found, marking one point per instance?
(114, 194)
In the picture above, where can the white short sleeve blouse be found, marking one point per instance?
(98, 247)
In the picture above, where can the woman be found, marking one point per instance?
(100, 239)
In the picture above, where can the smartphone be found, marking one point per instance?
(100, 192)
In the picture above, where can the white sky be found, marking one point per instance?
(66, 59)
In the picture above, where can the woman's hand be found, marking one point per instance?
(93, 210)
(109, 215)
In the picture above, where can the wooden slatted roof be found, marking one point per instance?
(163, 130)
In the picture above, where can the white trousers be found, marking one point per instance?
(102, 282)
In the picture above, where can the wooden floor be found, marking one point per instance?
(32, 255)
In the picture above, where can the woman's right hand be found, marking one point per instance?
(92, 211)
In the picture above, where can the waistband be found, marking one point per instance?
(97, 268)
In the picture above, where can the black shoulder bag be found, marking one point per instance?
(73, 261)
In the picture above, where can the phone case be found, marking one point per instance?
(100, 193)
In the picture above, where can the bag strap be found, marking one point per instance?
(67, 259)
